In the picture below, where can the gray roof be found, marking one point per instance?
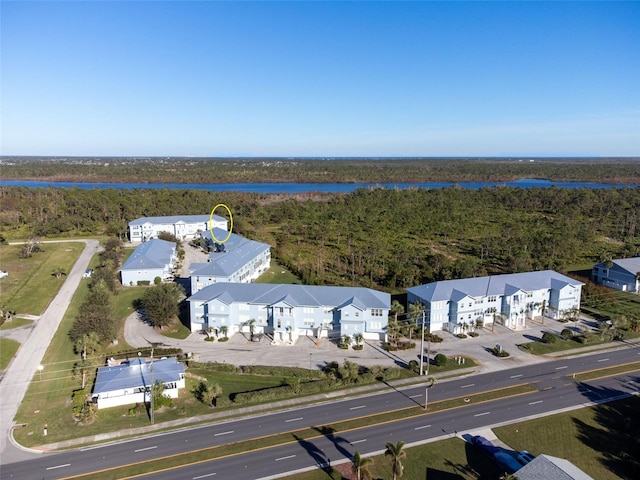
(155, 253)
(546, 467)
(238, 252)
(137, 373)
(294, 295)
(631, 265)
(492, 285)
(173, 219)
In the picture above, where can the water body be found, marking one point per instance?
(309, 187)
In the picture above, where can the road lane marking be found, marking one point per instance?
(223, 433)
(416, 396)
(293, 419)
(423, 426)
(145, 449)
(204, 476)
(359, 406)
(481, 414)
(538, 401)
(284, 458)
(516, 376)
(358, 441)
(59, 466)
(603, 360)
(560, 368)
(470, 385)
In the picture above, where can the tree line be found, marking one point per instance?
(381, 238)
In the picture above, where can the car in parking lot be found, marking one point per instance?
(87, 273)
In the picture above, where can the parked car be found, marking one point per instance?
(484, 444)
(525, 457)
(87, 273)
(3, 274)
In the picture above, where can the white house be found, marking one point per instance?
(184, 227)
(149, 260)
(131, 381)
(453, 305)
(287, 312)
(546, 467)
(622, 274)
(236, 260)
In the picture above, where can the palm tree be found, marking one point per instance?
(224, 330)
(360, 466)
(508, 476)
(358, 338)
(396, 308)
(252, 327)
(397, 453)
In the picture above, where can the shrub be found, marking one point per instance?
(566, 333)
(157, 281)
(441, 360)
(142, 283)
(461, 335)
(223, 339)
(406, 345)
(499, 352)
(548, 337)
(358, 347)
(414, 366)
(474, 334)
(432, 337)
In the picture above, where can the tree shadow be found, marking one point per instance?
(338, 441)
(614, 435)
(318, 456)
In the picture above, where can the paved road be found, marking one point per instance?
(555, 390)
(24, 366)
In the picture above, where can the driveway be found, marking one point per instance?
(17, 376)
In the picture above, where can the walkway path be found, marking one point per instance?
(17, 376)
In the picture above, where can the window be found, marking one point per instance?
(376, 312)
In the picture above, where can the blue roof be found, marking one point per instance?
(294, 295)
(137, 373)
(492, 285)
(173, 219)
(155, 253)
(238, 251)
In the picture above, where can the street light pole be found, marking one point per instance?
(422, 346)
(152, 385)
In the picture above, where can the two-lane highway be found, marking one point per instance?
(547, 376)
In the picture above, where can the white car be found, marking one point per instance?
(3, 274)
(87, 273)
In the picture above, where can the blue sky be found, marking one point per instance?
(205, 78)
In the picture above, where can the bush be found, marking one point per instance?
(441, 360)
(143, 283)
(499, 352)
(157, 281)
(548, 338)
(461, 335)
(566, 333)
(223, 339)
(358, 347)
(474, 334)
(414, 366)
(432, 337)
(406, 345)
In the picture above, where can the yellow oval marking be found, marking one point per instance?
(230, 221)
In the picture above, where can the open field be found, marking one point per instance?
(31, 285)
(278, 274)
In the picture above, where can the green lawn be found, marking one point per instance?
(278, 274)
(15, 323)
(8, 349)
(30, 285)
(601, 440)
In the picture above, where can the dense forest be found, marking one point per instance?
(313, 170)
(382, 238)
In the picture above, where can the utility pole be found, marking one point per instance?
(152, 385)
(422, 346)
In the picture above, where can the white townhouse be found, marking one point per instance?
(149, 260)
(237, 260)
(287, 312)
(131, 381)
(454, 305)
(622, 274)
(184, 227)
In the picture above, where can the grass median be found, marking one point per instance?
(207, 454)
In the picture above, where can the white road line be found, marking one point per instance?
(470, 385)
(423, 426)
(358, 441)
(560, 368)
(204, 476)
(356, 408)
(533, 403)
(516, 376)
(145, 449)
(293, 419)
(284, 458)
(416, 396)
(59, 466)
(223, 433)
(603, 360)
(481, 414)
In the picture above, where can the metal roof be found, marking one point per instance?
(173, 219)
(546, 467)
(154, 253)
(492, 285)
(238, 252)
(294, 295)
(137, 373)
